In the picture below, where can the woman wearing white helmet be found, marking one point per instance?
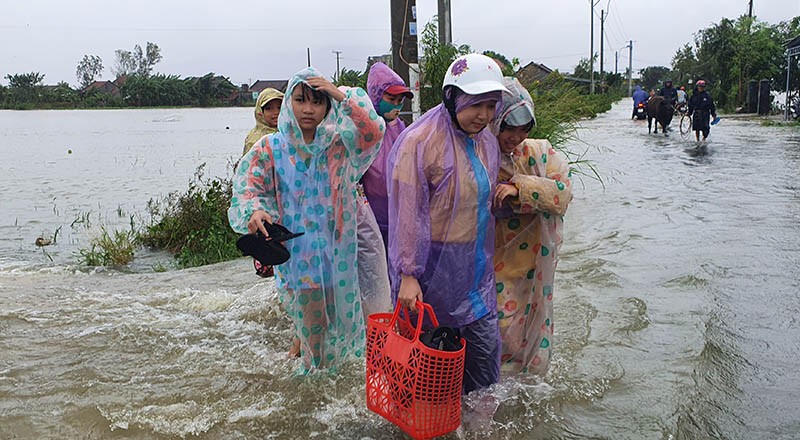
(443, 170)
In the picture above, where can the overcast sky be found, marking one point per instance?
(247, 40)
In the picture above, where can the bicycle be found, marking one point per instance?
(685, 126)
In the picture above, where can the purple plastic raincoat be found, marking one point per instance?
(380, 78)
(441, 229)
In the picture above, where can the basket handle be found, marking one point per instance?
(423, 309)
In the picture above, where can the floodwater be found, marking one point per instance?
(677, 313)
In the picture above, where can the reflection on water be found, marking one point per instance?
(676, 310)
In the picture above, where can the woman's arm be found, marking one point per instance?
(254, 189)
(549, 193)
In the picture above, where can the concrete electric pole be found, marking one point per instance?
(445, 32)
(404, 48)
(338, 71)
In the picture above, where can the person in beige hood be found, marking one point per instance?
(268, 107)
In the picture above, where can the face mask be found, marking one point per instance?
(384, 107)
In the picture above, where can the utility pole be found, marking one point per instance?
(445, 31)
(338, 72)
(593, 3)
(750, 10)
(404, 48)
(616, 62)
(308, 55)
(630, 68)
(602, 29)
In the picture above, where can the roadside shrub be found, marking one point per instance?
(193, 225)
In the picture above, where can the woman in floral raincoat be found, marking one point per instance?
(530, 202)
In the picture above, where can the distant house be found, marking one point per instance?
(277, 84)
(533, 72)
(105, 87)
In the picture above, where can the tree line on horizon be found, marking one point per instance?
(728, 55)
(136, 84)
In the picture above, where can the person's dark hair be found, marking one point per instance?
(316, 95)
(528, 126)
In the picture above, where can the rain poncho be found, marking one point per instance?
(639, 95)
(373, 273)
(380, 78)
(440, 223)
(527, 238)
(311, 188)
(261, 129)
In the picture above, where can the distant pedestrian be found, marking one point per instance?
(702, 110)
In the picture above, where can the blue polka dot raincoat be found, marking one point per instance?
(311, 188)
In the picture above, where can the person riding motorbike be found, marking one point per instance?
(639, 97)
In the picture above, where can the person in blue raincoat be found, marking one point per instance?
(443, 172)
(639, 96)
(304, 177)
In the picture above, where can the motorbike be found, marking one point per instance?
(681, 108)
(640, 111)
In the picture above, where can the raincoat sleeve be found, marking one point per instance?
(361, 129)
(410, 234)
(253, 187)
(550, 193)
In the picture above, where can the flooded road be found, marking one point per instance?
(676, 310)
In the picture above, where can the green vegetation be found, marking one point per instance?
(728, 55)
(109, 249)
(193, 225)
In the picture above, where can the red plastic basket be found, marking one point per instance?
(416, 387)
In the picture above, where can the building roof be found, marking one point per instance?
(278, 84)
(532, 72)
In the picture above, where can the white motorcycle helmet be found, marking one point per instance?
(474, 74)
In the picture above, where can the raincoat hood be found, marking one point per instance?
(380, 78)
(638, 88)
(262, 128)
(517, 106)
(287, 121)
(264, 97)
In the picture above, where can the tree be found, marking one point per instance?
(583, 69)
(124, 64)
(352, 78)
(684, 64)
(653, 76)
(145, 60)
(507, 67)
(436, 58)
(25, 88)
(139, 62)
(88, 69)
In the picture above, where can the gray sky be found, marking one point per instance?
(248, 40)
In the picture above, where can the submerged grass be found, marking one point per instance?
(109, 249)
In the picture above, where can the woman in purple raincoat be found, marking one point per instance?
(386, 91)
(443, 171)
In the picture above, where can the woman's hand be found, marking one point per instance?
(323, 85)
(410, 292)
(256, 222)
(504, 190)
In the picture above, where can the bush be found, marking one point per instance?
(193, 225)
(109, 249)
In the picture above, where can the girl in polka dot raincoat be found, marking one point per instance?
(304, 177)
(530, 201)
